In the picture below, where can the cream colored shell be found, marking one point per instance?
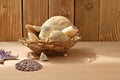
(33, 29)
(54, 23)
(57, 36)
(32, 37)
(32, 32)
(70, 31)
(43, 57)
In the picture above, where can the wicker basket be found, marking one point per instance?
(49, 48)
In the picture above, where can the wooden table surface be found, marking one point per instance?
(85, 61)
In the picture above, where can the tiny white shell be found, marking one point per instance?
(43, 57)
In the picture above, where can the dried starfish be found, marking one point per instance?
(5, 55)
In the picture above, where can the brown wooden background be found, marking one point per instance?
(97, 20)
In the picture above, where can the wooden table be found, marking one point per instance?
(85, 61)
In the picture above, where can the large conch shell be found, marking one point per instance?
(54, 23)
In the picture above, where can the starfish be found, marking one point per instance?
(5, 55)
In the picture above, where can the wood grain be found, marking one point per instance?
(110, 20)
(10, 20)
(62, 7)
(97, 20)
(87, 17)
(35, 12)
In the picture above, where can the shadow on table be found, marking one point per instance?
(75, 56)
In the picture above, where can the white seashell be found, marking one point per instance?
(70, 31)
(57, 36)
(54, 23)
(76, 38)
(57, 20)
(45, 32)
(43, 57)
(65, 55)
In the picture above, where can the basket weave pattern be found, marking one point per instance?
(49, 48)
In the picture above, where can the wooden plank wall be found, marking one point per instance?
(35, 12)
(97, 20)
(87, 16)
(62, 7)
(110, 20)
(10, 20)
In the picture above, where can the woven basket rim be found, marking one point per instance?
(49, 48)
(25, 40)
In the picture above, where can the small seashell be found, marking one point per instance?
(43, 57)
(70, 31)
(32, 37)
(45, 32)
(28, 65)
(57, 36)
(33, 29)
(76, 38)
(65, 55)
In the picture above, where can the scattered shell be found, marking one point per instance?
(65, 55)
(43, 57)
(30, 55)
(28, 65)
